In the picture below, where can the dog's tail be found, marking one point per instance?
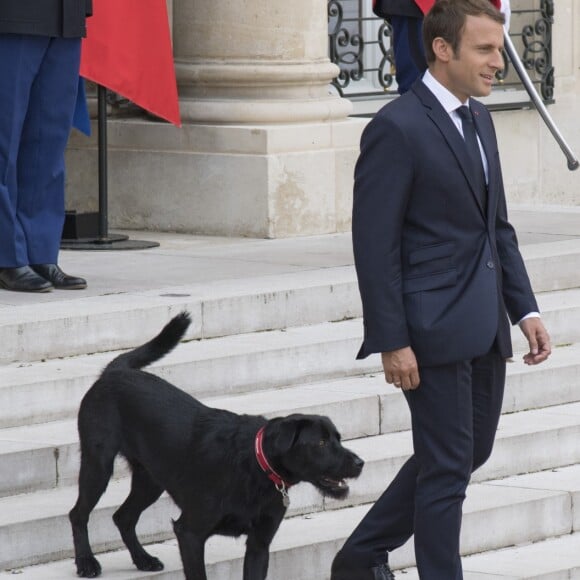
(156, 348)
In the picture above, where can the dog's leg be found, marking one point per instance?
(94, 475)
(144, 492)
(192, 550)
(258, 547)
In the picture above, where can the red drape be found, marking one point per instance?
(128, 50)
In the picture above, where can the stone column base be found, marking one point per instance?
(267, 181)
(259, 93)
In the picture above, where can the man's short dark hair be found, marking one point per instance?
(447, 19)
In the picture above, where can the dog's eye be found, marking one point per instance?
(323, 442)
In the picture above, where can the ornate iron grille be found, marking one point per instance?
(360, 45)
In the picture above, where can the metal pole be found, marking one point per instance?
(103, 176)
(104, 240)
(538, 103)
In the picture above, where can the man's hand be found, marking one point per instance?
(401, 368)
(538, 339)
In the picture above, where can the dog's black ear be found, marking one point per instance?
(286, 432)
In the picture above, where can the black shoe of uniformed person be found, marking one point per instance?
(23, 279)
(58, 278)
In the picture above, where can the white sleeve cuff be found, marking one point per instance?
(530, 315)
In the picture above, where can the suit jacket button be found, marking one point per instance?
(490, 265)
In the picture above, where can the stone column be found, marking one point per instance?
(254, 61)
(265, 149)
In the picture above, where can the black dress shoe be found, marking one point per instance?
(58, 278)
(382, 572)
(23, 279)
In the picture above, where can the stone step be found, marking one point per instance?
(34, 527)
(560, 312)
(528, 441)
(497, 515)
(112, 322)
(45, 455)
(554, 559)
(219, 366)
(552, 266)
(274, 352)
(566, 479)
(218, 308)
(230, 364)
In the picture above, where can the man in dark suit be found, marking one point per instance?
(439, 272)
(40, 42)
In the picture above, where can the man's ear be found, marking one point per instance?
(442, 49)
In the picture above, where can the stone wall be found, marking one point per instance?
(535, 169)
(265, 150)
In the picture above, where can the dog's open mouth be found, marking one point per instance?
(335, 487)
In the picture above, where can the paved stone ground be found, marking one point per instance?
(183, 260)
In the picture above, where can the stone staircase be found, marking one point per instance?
(274, 345)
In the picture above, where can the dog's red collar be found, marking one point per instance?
(281, 485)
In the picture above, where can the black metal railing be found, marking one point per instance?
(531, 33)
(360, 45)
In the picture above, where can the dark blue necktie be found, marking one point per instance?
(470, 137)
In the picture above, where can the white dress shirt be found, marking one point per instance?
(451, 103)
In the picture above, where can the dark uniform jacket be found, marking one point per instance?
(388, 8)
(58, 18)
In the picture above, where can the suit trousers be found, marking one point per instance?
(38, 89)
(454, 413)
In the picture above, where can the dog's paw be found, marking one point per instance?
(88, 567)
(149, 564)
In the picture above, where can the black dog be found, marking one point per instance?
(227, 473)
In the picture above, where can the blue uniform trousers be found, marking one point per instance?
(410, 62)
(38, 90)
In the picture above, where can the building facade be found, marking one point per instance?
(273, 114)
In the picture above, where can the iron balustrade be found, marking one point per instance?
(360, 45)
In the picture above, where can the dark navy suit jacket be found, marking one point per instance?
(436, 271)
